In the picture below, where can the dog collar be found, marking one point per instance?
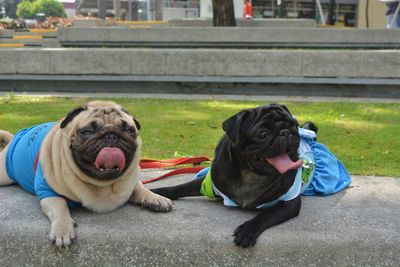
(209, 190)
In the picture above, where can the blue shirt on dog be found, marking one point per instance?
(20, 161)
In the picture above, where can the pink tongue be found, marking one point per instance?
(110, 157)
(283, 163)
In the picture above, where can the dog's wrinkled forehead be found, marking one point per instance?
(271, 118)
(105, 111)
(274, 112)
(249, 120)
(269, 115)
(108, 113)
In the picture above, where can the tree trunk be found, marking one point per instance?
(331, 10)
(223, 13)
(117, 9)
(314, 10)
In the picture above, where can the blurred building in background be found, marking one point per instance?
(339, 13)
(142, 10)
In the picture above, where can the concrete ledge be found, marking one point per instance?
(357, 227)
(201, 79)
(44, 33)
(195, 97)
(295, 23)
(122, 87)
(34, 39)
(370, 64)
(204, 85)
(46, 42)
(92, 22)
(229, 37)
(361, 73)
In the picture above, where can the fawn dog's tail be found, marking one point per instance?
(5, 138)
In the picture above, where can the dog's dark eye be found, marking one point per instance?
(127, 128)
(130, 130)
(85, 133)
(262, 135)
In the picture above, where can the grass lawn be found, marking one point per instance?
(364, 136)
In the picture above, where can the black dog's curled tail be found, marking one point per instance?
(310, 126)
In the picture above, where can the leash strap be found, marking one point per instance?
(174, 172)
(164, 163)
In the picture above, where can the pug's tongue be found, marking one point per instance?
(110, 157)
(283, 163)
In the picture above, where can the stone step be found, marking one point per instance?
(28, 38)
(359, 73)
(229, 37)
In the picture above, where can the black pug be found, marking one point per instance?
(255, 162)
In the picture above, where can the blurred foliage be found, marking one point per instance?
(29, 9)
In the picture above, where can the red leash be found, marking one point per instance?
(164, 163)
(174, 172)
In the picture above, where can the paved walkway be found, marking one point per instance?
(210, 97)
(357, 227)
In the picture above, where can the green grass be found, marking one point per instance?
(364, 136)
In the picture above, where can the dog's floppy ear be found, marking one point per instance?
(71, 115)
(287, 110)
(232, 126)
(137, 124)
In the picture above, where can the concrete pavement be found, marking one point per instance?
(228, 37)
(271, 98)
(270, 22)
(153, 61)
(200, 65)
(357, 227)
(203, 71)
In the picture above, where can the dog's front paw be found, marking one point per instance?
(155, 202)
(246, 235)
(62, 232)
